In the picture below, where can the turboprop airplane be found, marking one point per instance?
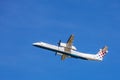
(68, 50)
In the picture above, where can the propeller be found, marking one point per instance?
(59, 42)
(58, 45)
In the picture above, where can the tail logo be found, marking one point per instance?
(102, 52)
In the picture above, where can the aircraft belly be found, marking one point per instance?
(83, 55)
(74, 54)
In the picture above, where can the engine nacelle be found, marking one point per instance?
(59, 53)
(64, 45)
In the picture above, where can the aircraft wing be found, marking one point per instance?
(68, 47)
(70, 41)
(63, 57)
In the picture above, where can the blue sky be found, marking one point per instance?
(94, 23)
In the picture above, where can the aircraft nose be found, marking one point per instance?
(34, 44)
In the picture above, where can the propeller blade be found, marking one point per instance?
(59, 42)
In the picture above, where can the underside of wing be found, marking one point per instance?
(68, 47)
(70, 41)
(69, 44)
(63, 57)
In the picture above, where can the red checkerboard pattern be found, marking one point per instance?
(102, 53)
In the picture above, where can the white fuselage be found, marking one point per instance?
(60, 50)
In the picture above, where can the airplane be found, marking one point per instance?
(68, 50)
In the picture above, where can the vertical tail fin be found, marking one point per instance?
(102, 53)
